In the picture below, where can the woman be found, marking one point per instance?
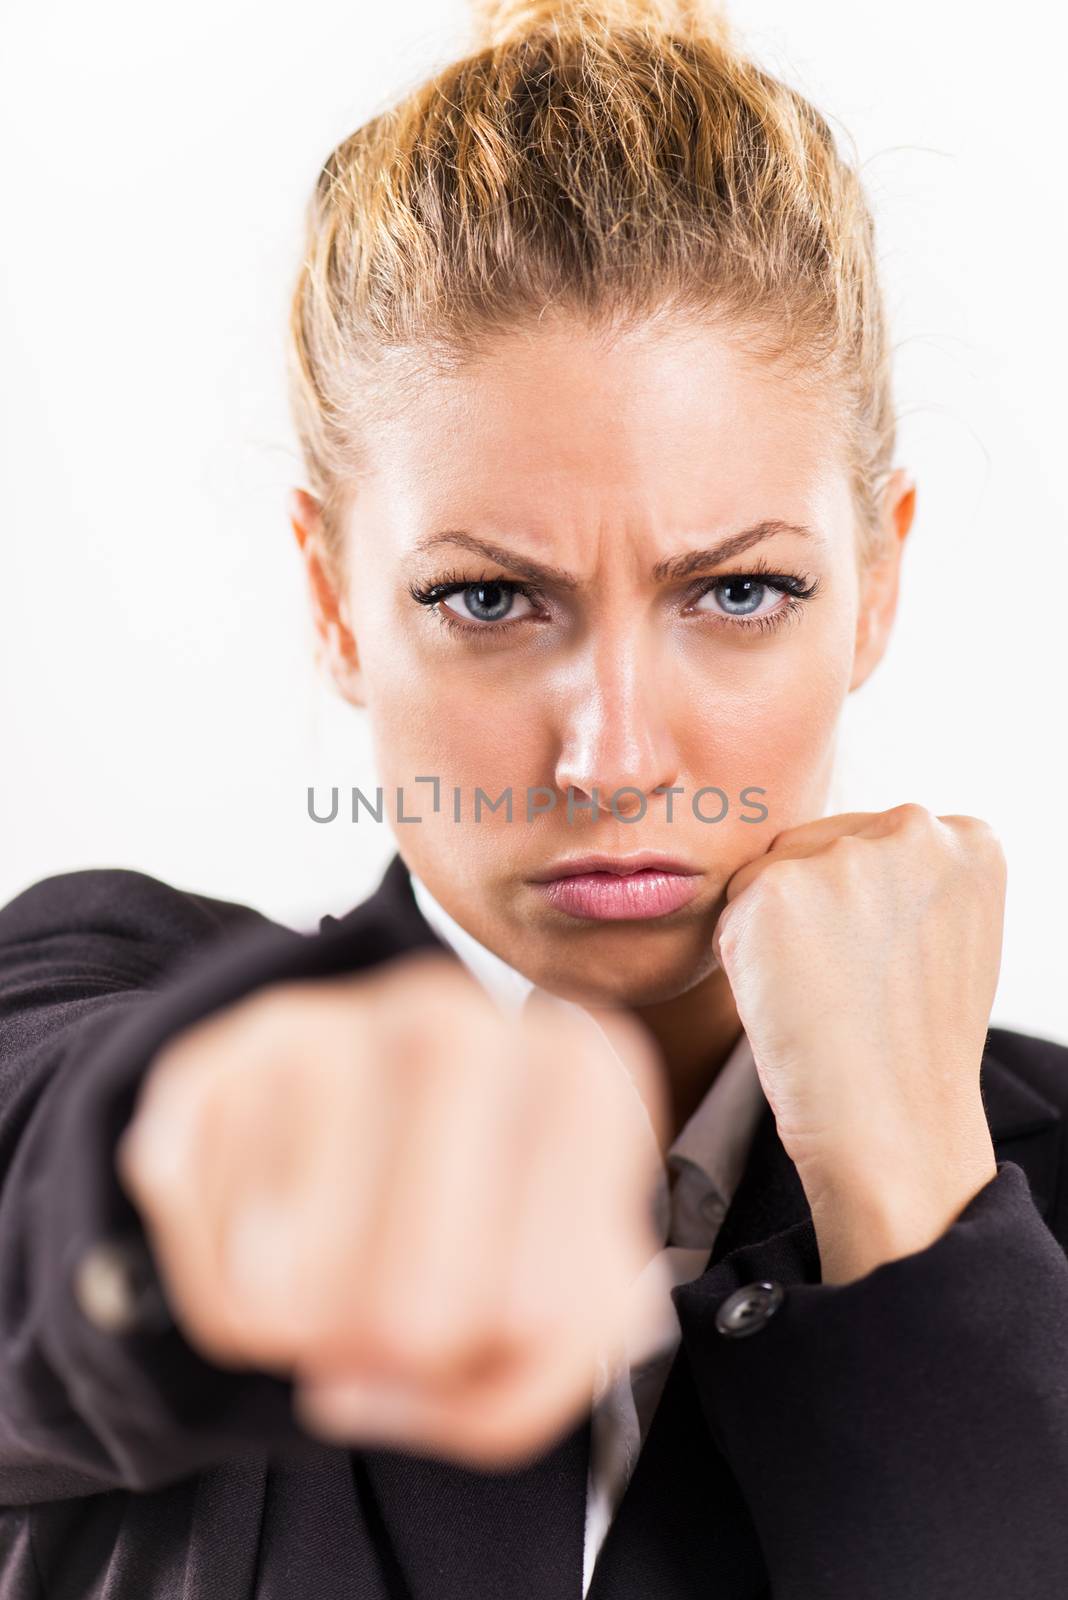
(630, 1198)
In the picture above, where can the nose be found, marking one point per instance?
(616, 733)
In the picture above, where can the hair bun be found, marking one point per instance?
(497, 21)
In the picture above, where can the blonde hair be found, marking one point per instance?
(620, 159)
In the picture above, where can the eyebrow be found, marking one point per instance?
(673, 568)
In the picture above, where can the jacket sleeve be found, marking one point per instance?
(906, 1434)
(97, 969)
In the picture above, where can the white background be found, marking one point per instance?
(159, 703)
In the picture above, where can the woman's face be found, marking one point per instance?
(596, 467)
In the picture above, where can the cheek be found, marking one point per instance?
(438, 724)
(406, 703)
(772, 725)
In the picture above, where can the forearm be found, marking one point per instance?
(904, 1434)
(84, 1405)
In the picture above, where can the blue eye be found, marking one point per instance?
(489, 603)
(741, 596)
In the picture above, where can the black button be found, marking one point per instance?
(749, 1308)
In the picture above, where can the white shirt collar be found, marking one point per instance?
(709, 1153)
(502, 982)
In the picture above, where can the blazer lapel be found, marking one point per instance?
(387, 923)
(682, 1530)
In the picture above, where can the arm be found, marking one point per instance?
(904, 1434)
(97, 970)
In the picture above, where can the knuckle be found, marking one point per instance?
(993, 852)
(156, 1154)
(560, 1056)
(409, 1045)
(984, 834)
(219, 1339)
(436, 977)
(176, 1063)
(528, 1319)
(912, 815)
(975, 828)
(269, 1025)
(497, 1440)
(448, 1025)
(272, 1010)
(404, 1333)
(131, 1159)
(996, 850)
(202, 1304)
(521, 1416)
(978, 838)
(409, 1036)
(847, 851)
(791, 835)
(779, 878)
(158, 1187)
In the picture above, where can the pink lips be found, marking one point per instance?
(615, 896)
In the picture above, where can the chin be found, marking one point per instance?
(640, 982)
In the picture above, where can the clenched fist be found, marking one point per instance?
(863, 953)
(427, 1214)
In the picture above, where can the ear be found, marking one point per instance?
(337, 642)
(880, 579)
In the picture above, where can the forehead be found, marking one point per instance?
(556, 431)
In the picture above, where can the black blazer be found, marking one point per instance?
(903, 1437)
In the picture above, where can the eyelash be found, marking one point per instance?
(794, 587)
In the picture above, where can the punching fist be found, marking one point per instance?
(425, 1213)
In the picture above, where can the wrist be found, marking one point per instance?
(877, 1214)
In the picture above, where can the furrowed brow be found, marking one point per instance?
(691, 561)
(672, 569)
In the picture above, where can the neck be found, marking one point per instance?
(695, 1032)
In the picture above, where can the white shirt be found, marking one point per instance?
(706, 1159)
